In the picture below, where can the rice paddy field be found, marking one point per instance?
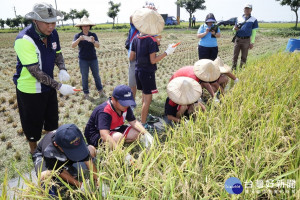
(252, 135)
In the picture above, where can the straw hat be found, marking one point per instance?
(85, 22)
(184, 90)
(223, 67)
(206, 70)
(148, 21)
(45, 13)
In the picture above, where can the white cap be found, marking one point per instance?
(248, 6)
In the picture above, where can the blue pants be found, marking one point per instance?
(207, 52)
(84, 70)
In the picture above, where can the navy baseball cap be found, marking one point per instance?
(124, 95)
(70, 139)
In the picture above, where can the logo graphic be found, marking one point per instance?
(128, 94)
(50, 13)
(76, 141)
(233, 186)
(54, 45)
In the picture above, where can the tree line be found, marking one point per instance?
(22, 22)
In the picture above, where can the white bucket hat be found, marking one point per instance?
(223, 67)
(206, 70)
(45, 13)
(184, 90)
(148, 21)
(85, 22)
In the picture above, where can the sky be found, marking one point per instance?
(263, 10)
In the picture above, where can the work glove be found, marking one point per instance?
(105, 190)
(85, 187)
(66, 89)
(170, 49)
(63, 75)
(129, 160)
(147, 140)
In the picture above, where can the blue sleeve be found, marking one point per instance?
(255, 25)
(218, 31)
(104, 121)
(95, 36)
(201, 29)
(130, 116)
(153, 47)
(76, 36)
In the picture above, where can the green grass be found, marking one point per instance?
(178, 156)
(252, 135)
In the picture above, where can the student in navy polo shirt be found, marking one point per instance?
(106, 123)
(143, 50)
(245, 30)
(87, 41)
(38, 51)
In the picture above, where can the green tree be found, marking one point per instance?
(191, 6)
(113, 10)
(2, 22)
(9, 23)
(25, 21)
(66, 17)
(82, 13)
(294, 4)
(73, 14)
(19, 21)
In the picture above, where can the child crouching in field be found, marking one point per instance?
(183, 94)
(225, 69)
(143, 50)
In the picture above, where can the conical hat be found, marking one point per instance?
(223, 67)
(184, 90)
(206, 71)
(148, 21)
(85, 22)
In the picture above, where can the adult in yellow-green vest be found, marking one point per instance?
(38, 50)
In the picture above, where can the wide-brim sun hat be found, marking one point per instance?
(223, 67)
(148, 21)
(206, 70)
(210, 18)
(45, 13)
(84, 21)
(184, 90)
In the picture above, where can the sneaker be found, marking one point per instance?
(87, 96)
(102, 94)
(152, 119)
(148, 128)
(236, 81)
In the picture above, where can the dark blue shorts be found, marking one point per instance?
(207, 52)
(145, 81)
